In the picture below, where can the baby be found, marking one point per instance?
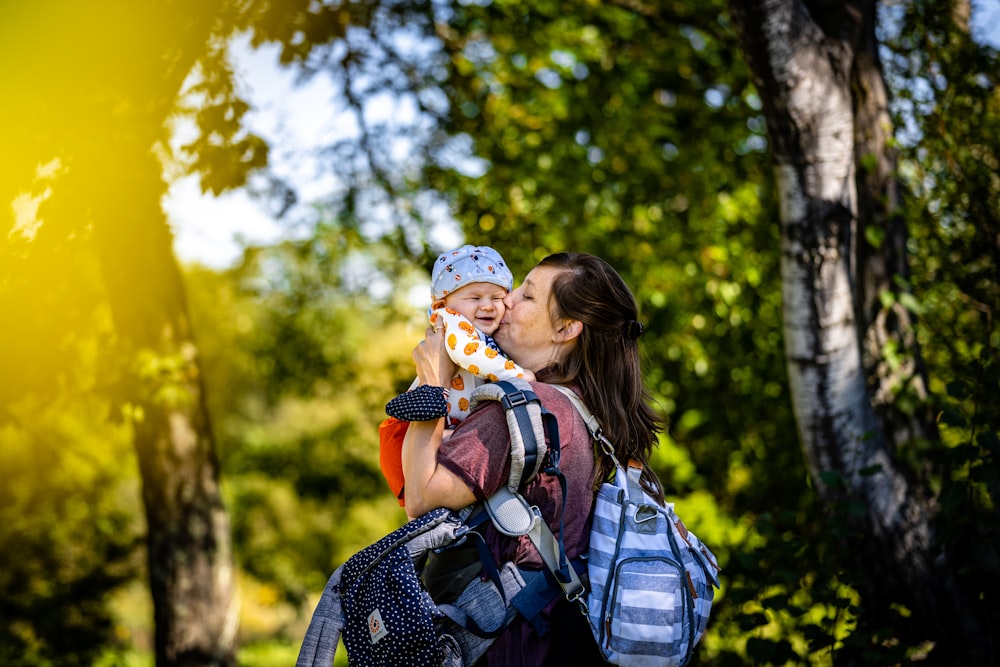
(468, 286)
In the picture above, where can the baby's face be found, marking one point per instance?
(480, 303)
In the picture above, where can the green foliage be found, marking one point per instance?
(638, 138)
(950, 164)
(68, 484)
(223, 152)
(299, 360)
(67, 536)
(635, 135)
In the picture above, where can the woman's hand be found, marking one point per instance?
(434, 366)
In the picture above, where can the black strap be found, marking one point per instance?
(551, 426)
(540, 589)
(485, 557)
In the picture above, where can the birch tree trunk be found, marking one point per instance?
(816, 68)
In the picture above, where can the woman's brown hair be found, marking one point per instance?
(605, 364)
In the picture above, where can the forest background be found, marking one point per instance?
(195, 447)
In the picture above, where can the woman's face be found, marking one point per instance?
(527, 331)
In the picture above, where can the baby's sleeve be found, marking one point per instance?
(467, 347)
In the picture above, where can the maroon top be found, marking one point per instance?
(478, 452)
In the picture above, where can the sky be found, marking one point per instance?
(295, 119)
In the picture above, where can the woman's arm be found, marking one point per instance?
(429, 485)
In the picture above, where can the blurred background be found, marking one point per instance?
(219, 218)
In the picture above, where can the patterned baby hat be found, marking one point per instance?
(469, 264)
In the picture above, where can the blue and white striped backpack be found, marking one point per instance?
(652, 581)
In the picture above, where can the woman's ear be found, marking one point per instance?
(569, 330)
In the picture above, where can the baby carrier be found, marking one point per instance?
(416, 597)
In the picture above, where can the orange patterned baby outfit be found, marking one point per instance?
(479, 361)
(478, 357)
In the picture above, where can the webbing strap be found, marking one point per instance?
(529, 423)
(554, 556)
(464, 620)
(562, 573)
(490, 568)
(591, 421)
(512, 516)
(541, 588)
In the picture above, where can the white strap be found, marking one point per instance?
(588, 418)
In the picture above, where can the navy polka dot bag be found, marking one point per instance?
(390, 617)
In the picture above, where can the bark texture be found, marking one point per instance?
(189, 553)
(817, 70)
(189, 544)
(100, 81)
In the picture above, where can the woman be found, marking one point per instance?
(573, 321)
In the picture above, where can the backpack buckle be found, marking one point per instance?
(516, 399)
(579, 596)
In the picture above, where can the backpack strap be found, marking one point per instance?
(591, 421)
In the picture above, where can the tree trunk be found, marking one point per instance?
(816, 68)
(189, 543)
(188, 539)
(104, 80)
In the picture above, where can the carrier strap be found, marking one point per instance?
(464, 620)
(523, 412)
(511, 513)
(529, 423)
(591, 421)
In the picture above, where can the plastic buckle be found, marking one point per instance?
(514, 399)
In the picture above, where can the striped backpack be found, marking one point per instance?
(652, 581)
